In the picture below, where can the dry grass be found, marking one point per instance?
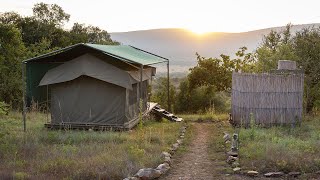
(216, 148)
(207, 117)
(43, 154)
(282, 148)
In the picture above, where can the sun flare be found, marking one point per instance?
(198, 31)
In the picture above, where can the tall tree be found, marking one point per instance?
(217, 72)
(306, 45)
(12, 52)
(92, 34)
(50, 14)
(275, 46)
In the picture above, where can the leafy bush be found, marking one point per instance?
(4, 108)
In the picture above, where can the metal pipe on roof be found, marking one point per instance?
(149, 52)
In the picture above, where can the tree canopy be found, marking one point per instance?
(217, 72)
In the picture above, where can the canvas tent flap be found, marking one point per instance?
(87, 100)
(87, 65)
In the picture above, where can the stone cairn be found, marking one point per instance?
(161, 169)
(233, 159)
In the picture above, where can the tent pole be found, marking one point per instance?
(23, 98)
(140, 99)
(47, 103)
(168, 87)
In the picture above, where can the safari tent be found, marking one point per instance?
(90, 85)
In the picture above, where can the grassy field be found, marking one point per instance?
(282, 148)
(44, 154)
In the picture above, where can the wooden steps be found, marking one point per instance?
(165, 114)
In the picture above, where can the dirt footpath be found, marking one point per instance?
(195, 163)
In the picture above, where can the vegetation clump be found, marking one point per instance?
(284, 149)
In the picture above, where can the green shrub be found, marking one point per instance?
(4, 108)
(21, 175)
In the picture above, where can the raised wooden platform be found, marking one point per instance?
(77, 126)
(100, 127)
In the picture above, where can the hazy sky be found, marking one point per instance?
(195, 15)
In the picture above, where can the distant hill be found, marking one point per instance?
(180, 45)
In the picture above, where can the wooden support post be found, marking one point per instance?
(23, 98)
(168, 88)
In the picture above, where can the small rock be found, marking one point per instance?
(231, 159)
(163, 168)
(165, 154)
(294, 174)
(131, 178)
(179, 141)
(182, 136)
(226, 137)
(175, 146)
(236, 170)
(232, 153)
(148, 173)
(274, 174)
(235, 164)
(252, 173)
(167, 160)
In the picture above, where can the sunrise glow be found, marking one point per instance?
(199, 31)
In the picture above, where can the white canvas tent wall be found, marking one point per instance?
(87, 90)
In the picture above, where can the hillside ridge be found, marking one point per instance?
(181, 45)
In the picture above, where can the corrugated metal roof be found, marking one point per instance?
(122, 52)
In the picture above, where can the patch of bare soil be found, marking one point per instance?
(195, 163)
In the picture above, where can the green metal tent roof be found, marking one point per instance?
(122, 52)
